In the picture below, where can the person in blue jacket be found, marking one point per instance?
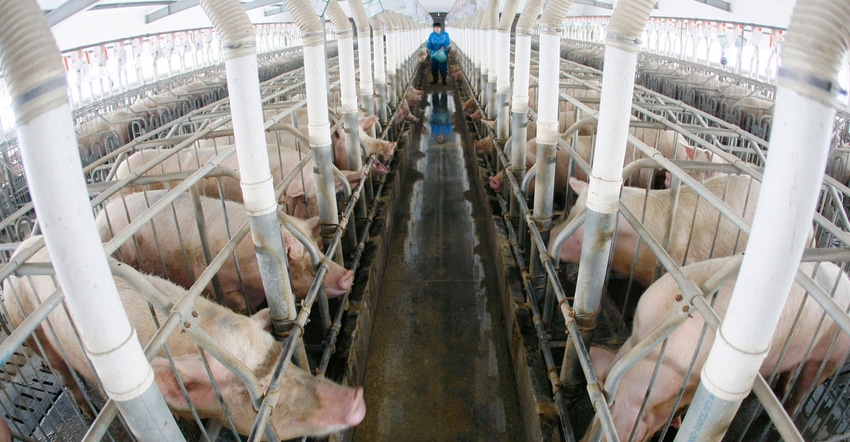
(438, 40)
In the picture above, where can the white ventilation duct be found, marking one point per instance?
(380, 67)
(238, 42)
(315, 79)
(817, 38)
(503, 68)
(35, 78)
(364, 48)
(348, 94)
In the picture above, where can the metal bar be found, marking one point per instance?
(68, 9)
(173, 8)
(258, 4)
(597, 4)
(719, 4)
(275, 11)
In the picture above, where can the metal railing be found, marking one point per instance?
(661, 238)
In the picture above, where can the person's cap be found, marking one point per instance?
(437, 24)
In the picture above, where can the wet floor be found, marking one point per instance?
(438, 367)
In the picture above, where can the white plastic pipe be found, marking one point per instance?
(492, 49)
(503, 69)
(348, 94)
(380, 67)
(238, 40)
(36, 82)
(817, 38)
(392, 50)
(315, 80)
(364, 48)
(478, 48)
(547, 105)
(622, 45)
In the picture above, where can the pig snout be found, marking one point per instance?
(379, 168)
(341, 407)
(338, 281)
(484, 145)
(496, 182)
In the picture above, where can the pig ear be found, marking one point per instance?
(263, 320)
(578, 185)
(195, 380)
(602, 359)
(367, 122)
(689, 151)
(313, 222)
(677, 422)
(294, 248)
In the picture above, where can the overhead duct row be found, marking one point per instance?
(392, 29)
(479, 79)
(817, 39)
(36, 81)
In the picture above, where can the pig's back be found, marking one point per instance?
(697, 228)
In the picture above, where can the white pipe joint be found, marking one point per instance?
(736, 385)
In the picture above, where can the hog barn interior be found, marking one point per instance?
(227, 220)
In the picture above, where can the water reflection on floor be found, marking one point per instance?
(439, 366)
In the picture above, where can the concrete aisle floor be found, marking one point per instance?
(438, 368)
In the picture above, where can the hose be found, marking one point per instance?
(237, 34)
(528, 17)
(552, 19)
(358, 13)
(30, 61)
(626, 26)
(508, 15)
(313, 33)
(818, 37)
(339, 19)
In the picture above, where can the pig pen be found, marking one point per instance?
(541, 288)
(180, 215)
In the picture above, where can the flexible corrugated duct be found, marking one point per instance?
(817, 39)
(364, 48)
(238, 42)
(35, 77)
